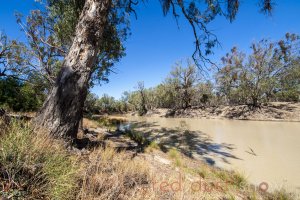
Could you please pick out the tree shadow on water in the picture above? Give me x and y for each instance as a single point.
(137, 136)
(194, 144)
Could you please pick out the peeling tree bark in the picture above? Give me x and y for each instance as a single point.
(63, 109)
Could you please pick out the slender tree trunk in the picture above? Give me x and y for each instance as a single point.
(63, 109)
(143, 109)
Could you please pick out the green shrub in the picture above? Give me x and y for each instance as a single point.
(18, 96)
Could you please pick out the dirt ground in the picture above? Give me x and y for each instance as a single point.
(274, 111)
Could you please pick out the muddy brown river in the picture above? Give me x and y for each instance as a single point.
(263, 151)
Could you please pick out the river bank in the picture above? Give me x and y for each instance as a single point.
(250, 148)
(274, 111)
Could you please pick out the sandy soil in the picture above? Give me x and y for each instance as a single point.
(275, 111)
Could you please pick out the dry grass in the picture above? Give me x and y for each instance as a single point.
(281, 194)
(87, 123)
(152, 147)
(234, 178)
(112, 175)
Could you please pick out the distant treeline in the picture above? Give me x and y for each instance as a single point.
(271, 72)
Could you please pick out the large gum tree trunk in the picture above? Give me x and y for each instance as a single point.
(62, 111)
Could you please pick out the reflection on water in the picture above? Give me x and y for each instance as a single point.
(263, 151)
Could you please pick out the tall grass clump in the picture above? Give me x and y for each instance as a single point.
(152, 146)
(176, 156)
(33, 166)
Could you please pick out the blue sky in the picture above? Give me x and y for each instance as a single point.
(156, 42)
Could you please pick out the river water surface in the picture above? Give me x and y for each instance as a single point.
(263, 151)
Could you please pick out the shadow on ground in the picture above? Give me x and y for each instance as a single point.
(194, 144)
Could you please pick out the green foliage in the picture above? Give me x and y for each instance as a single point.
(271, 71)
(90, 104)
(43, 52)
(13, 56)
(20, 96)
(154, 145)
(164, 95)
(105, 104)
(290, 83)
(63, 16)
(204, 94)
(175, 156)
(183, 81)
(137, 137)
(177, 91)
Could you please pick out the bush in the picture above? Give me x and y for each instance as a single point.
(18, 96)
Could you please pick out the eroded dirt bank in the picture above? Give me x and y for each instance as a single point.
(276, 111)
